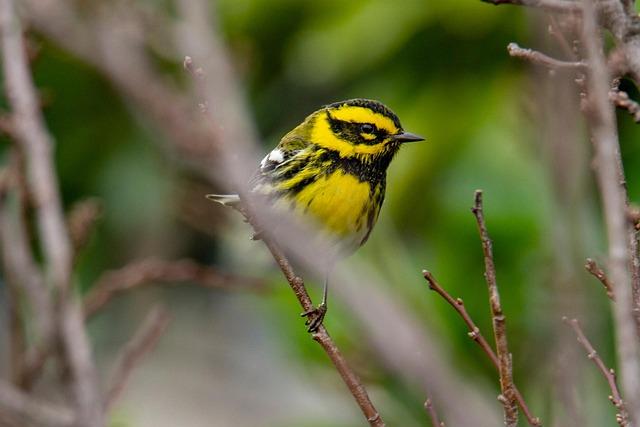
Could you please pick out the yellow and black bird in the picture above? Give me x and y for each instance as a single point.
(331, 169)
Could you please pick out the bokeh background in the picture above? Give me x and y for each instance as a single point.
(237, 357)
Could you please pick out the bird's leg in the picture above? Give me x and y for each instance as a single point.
(315, 316)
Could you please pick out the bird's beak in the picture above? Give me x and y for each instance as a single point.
(407, 137)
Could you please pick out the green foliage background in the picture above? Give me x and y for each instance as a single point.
(442, 66)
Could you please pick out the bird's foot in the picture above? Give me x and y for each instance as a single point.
(315, 316)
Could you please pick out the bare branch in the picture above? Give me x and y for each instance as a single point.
(540, 58)
(142, 343)
(36, 144)
(20, 404)
(148, 271)
(622, 417)
(498, 319)
(476, 335)
(621, 99)
(433, 415)
(17, 260)
(592, 267)
(322, 337)
(610, 178)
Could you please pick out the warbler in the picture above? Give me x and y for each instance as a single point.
(331, 169)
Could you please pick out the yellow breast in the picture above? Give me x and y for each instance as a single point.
(341, 204)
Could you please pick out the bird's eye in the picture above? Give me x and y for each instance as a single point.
(367, 128)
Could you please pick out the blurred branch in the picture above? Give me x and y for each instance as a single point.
(143, 342)
(499, 326)
(122, 58)
(81, 221)
(610, 178)
(433, 415)
(14, 401)
(592, 267)
(36, 145)
(542, 59)
(154, 271)
(476, 335)
(622, 417)
(18, 264)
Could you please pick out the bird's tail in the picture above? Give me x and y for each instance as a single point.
(225, 199)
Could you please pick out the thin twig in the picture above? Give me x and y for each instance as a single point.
(633, 213)
(142, 343)
(150, 271)
(21, 404)
(592, 267)
(508, 397)
(433, 415)
(476, 335)
(622, 100)
(622, 417)
(322, 337)
(542, 59)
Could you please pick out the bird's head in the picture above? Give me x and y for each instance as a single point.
(359, 128)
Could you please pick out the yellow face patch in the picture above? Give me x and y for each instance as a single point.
(349, 113)
(322, 135)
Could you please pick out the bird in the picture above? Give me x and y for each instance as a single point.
(331, 169)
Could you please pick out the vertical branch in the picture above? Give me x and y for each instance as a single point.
(508, 397)
(36, 145)
(610, 178)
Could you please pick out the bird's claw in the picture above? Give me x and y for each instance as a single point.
(315, 316)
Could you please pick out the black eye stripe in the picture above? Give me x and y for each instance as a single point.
(352, 131)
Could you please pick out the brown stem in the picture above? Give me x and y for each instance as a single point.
(622, 100)
(148, 271)
(622, 417)
(322, 337)
(476, 335)
(433, 415)
(142, 343)
(542, 59)
(592, 267)
(499, 321)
